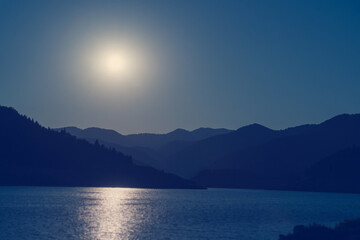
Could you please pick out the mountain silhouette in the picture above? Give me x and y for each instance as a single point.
(254, 156)
(33, 155)
(293, 153)
(282, 161)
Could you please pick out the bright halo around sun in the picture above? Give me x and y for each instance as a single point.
(114, 66)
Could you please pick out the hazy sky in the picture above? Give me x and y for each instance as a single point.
(203, 63)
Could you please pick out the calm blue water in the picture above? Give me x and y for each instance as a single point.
(118, 213)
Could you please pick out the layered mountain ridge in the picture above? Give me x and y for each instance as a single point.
(33, 155)
(255, 156)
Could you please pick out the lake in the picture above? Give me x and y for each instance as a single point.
(121, 213)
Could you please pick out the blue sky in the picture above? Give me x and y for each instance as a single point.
(218, 63)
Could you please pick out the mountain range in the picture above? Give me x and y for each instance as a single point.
(255, 156)
(147, 148)
(312, 157)
(294, 159)
(145, 140)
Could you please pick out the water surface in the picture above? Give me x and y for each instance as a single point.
(118, 213)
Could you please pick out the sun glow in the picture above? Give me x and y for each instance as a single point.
(114, 66)
(116, 63)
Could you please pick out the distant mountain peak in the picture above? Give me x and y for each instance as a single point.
(203, 129)
(96, 129)
(343, 120)
(179, 130)
(254, 126)
(71, 128)
(343, 117)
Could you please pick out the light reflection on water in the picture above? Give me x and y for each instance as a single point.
(112, 213)
(119, 213)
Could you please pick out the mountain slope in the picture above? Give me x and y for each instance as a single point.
(293, 153)
(202, 154)
(33, 155)
(146, 148)
(338, 172)
(282, 161)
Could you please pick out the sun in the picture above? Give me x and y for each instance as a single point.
(116, 63)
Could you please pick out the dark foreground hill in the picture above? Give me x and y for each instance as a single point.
(347, 230)
(33, 155)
